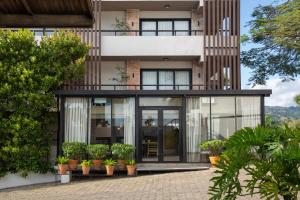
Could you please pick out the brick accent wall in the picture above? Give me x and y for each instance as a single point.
(133, 20)
(197, 70)
(197, 21)
(133, 68)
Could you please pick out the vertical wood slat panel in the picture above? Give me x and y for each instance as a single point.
(222, 44)
(234, 43)
(214, 43)
(230, 44)
(209, 40)
(238, 45)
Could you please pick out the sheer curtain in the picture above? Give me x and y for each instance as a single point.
(149, 78)
(166, 78)
(248, 112)
(77, 119)
(182, 78)
(129, 121)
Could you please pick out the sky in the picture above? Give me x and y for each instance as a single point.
(283, 93)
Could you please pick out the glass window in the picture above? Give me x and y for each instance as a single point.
(248, 112)
(222, 117)
(182, 80)
(148, 28)
(160, 101)
(165, 28)
(181, 28)
(118, 119)
(149, 78)
(166, 80)
(197, 126)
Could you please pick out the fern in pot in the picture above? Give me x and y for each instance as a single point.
(110, 166)
(96, 153)
(122, 152)
(74, 151)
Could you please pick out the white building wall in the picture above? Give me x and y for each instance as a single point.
(108, 19)
(109, 70)
(166, 64)
(165, 14)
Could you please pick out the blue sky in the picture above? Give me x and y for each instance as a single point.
(283, 93)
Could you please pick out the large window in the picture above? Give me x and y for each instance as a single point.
(165, 27)
(166, 79)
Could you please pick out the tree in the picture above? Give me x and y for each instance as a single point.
(275, 29)
(30, 72)
(297, 99)
(269, 156)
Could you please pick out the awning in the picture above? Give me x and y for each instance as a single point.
(46, 13)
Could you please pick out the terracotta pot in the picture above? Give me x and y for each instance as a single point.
(109, 170)
(214, 160)
(97, 164)
(63, 168)
(85, 170)
(73, 164)
(131, 170)
(121, 164)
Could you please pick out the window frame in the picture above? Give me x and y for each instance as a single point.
(170, 70)
(173, 20)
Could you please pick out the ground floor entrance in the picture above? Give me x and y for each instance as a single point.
(160, 134)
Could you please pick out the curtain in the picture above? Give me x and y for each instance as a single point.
(193, 125)
(166, 27)
(248, 110)
(149, 78)
(77, 119)
(129, 121)
(182, 78)
(166, 78)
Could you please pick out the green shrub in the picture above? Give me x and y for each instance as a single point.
(122, 151)
(74, 150)
(62, 160)
(271, 158)
(86, 163)
(109, 162)
(215, 147)
(97, 151)
(130, 162)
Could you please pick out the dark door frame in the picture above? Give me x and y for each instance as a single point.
(160, 110)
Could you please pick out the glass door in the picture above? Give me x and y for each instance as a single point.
(160, 133)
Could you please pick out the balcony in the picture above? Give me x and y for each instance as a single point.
(181, 44)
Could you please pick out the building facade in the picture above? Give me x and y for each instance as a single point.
(161, 75)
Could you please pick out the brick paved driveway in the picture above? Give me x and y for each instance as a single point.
(171, 186)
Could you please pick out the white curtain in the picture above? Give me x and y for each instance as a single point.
(166, 78)
(129, 121)
(77, 119)
(193, 125)
(149, 78)
(249, 110)
(182, 78)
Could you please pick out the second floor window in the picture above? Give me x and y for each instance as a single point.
(166, 79)
(165, 27)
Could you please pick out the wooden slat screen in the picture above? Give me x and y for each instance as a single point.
(222, 44)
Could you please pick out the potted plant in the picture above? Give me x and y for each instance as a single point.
(122, 152)
(110, 166)
(62, 164)
(215, 148)
(131, 167)
(86, 166)
(97, 152)
(74, 151)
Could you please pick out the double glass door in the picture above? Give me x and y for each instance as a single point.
(160, 135)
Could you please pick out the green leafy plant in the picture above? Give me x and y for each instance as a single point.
(74, 150)
(215, 147)
(30, 73)
(121, 25)
(130, 162)
(270, 157)
(62, 160)
(122, 151)
(97, 151)
(109, 162)
(86, 163)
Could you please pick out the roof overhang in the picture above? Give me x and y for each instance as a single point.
(46, 13)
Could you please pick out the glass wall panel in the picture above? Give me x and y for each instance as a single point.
(118, 119)
(160, 101)
(222, 117)
(248, 112)
(197, 126)
(166, 78)
(149, 78)
(148, 28)
(165, 28)
(180, 27)
(182, 78)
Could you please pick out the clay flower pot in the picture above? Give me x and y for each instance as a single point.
(73, 164)
(85, 170)
(214, 160)
(97, 164)
(131, 170)
(121, 164)
(63, 168)
(109, 170)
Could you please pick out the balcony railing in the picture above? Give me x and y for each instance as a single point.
(122, 87)
(151, 32)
